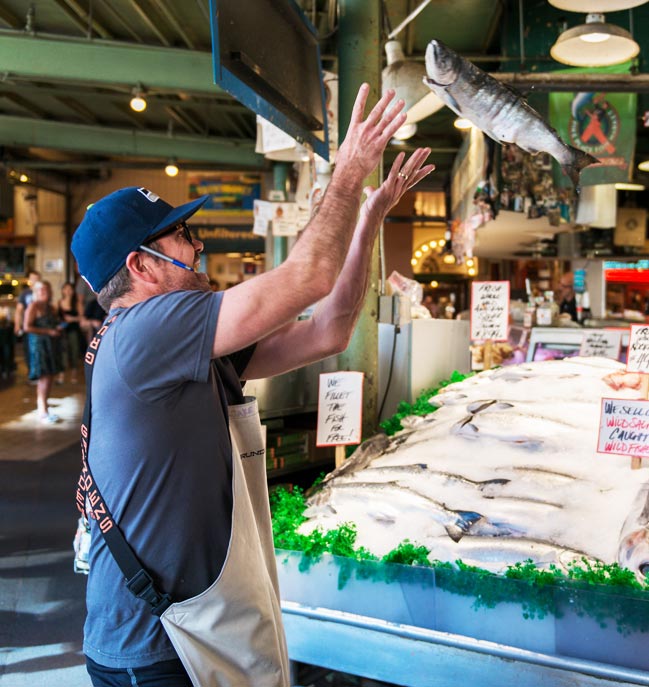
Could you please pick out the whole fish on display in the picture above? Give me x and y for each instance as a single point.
(497, 110)
(504, 469)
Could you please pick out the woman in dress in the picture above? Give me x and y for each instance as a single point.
(43, 328)
(71, 317)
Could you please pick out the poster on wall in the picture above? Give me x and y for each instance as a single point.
(602, 124)
(231, 195)
(225, 238)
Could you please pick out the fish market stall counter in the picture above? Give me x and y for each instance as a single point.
(534, 545)
(412, 626)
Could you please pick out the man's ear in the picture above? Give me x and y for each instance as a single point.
(139, 266)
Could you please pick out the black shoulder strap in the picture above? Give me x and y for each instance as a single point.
(90, 501)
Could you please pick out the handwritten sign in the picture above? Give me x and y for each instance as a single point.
(638, 356)
(601, 343)
(340, 408)
(624, 427)
(489, 310)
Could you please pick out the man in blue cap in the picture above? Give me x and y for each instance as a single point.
(165, 381)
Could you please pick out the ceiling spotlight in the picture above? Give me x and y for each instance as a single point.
(406, 78)
(24, 178)
(594, 44)
(138, 103)
(171, 170)
(462, 123)
(644, 166)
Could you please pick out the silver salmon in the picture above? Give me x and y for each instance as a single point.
(497, 110)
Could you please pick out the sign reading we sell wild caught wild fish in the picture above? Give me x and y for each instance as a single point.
(624, 427)
(489, 310)
(340, 409)
(638, 355)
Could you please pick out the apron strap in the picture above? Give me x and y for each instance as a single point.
(90, 502)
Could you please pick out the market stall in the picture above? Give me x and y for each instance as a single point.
(490, 538)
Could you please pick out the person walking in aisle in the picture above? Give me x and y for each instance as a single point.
(43, 328)
(24, 299)
(167, 396)
(71, 319)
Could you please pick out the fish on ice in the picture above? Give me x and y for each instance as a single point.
(508, 470)
(496, 109)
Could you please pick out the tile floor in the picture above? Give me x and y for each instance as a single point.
(41, 600)
(22, 435)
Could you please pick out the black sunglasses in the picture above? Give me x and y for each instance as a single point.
(187, 235)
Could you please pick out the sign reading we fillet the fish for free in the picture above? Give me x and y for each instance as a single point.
(638, 355)
(624, 427)
(489, 310)
(340, 408)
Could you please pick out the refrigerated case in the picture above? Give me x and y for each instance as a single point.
(418, 355)
(554, 343)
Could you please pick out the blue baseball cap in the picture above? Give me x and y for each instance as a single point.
(118, 224)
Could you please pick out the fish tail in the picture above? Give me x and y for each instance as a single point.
(454, 532)
(578, 160)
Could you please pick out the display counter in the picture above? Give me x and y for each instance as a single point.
(405, 624)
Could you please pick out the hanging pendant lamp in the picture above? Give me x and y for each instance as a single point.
(594, 44)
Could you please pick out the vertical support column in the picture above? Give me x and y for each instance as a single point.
(359, 55)
(280, 183)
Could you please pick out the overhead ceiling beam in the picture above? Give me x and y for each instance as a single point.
(144, 16)
(165, 11)
(10, 18)
(28, 89)
(81, 138)
(26, 104)
(99, 62)
(82, 18)
(555, 82)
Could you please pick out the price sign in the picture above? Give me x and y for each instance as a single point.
(638, 355)
(340, 408)
(624, 427)
(601, 343)
(489, 310)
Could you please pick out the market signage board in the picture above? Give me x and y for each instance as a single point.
(340, 409)
(624, 427)
(638, 355)
(489, 310)
(601, 343)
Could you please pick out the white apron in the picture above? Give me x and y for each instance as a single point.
(231, 635)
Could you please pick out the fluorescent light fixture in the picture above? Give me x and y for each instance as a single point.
(138, 103)
(406, 78)
(594, 44)
(171, 169)
(644, 166)
(462, 123)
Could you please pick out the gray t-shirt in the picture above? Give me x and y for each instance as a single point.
(160, 455)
